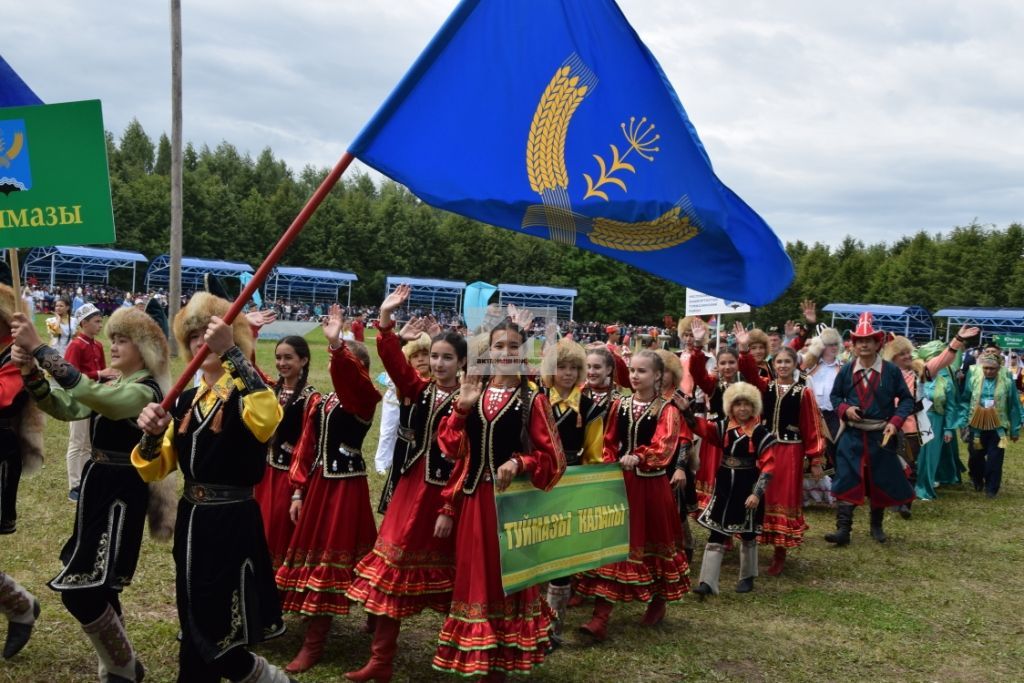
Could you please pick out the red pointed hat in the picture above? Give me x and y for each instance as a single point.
(866, 328)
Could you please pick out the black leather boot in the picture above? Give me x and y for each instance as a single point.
(877, 533)
(844, 525)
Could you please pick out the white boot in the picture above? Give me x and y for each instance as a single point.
(748, 566)
(558, 601)
(710, 568)
(265, 672)
(115, 651)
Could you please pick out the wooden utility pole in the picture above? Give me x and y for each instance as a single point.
(174, 289)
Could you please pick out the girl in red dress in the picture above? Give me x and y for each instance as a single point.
(791, 414)
(411, 568)
(274, 492)
(501, 427)
(331, 504)
(642, 435)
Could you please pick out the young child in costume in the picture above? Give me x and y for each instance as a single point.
(101, 556)
(580, 423)
(217, 434)
(736, 505)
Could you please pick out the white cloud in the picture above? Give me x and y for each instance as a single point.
(874, 118)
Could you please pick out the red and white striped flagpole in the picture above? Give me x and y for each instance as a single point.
(263, 271)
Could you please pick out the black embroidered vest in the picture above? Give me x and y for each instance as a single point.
(232, 456)
(120, 436)
(339, 440)
(494, 442)
(634, 432)
(572, 426)
(782, 413)
(417, 435)
(286, 437)
(739, 450)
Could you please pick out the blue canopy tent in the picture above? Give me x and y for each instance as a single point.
(990, 320)
(158, 274)
(538, 297)
(913, 322)
(429, 292)
(81, 264)
(310, 284)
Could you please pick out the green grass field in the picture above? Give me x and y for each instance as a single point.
(942, 601)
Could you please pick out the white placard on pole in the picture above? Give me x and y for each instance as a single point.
(699, 303)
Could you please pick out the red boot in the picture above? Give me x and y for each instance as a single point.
(597, 627)
(655, 612)
(312, 646)
(371, 623)
(778, 560)
(382, 652)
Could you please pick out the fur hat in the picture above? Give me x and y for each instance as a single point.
(195, 316)
(815, 347)
(757, 336)
(673, 367)
(830, 335)
(146, 334)
(418, 345)
(896, 346)
(685, 326)
(7, 304)
(564, 351)
(741, 391)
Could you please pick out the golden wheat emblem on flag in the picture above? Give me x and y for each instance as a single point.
(548, 176)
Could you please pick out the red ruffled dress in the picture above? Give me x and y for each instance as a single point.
(714, 388)
(656, 566)
(336, 527)
(409, 569)
(487, 631)
(274, 492)
(791, 414)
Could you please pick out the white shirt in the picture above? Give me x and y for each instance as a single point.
(821, 381)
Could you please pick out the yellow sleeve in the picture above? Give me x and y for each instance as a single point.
(261, 413)
(593, 442)
(163, 464)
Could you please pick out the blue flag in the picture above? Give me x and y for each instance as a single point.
(552, 118)
(14, 92)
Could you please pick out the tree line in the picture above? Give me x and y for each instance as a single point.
(235, 207)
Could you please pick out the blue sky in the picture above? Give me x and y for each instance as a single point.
(875, 119)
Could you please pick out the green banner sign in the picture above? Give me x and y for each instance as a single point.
(54, 183)
(1010, 341)
(581, 524)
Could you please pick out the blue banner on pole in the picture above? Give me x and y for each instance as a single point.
(552, 118)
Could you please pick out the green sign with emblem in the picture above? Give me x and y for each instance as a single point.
(54, 182)
(580, 524)
(1009, 341)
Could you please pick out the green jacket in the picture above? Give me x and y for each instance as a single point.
(1007, 403)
